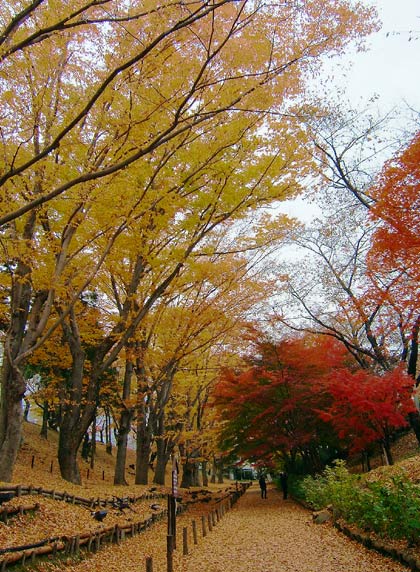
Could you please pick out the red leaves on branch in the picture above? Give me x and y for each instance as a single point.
(366, 407)
(397, 195)
(295, 391)
(270, 407)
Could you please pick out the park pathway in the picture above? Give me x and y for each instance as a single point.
(256, 535)
(276, 535)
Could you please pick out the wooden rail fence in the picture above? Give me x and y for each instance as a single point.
(92, 541)
(21, 490)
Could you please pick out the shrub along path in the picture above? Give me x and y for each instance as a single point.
(276, 535)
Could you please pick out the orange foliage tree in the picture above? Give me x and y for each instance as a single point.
(395, 250)
(397, 205)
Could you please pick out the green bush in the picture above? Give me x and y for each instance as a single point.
(396, 510)
(390, 507)
(333, 487)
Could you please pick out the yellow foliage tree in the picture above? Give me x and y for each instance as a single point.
(141, 127)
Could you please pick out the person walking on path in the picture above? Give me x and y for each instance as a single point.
(283, 482)
(263, 487)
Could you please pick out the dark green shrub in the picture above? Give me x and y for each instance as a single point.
(389, 507)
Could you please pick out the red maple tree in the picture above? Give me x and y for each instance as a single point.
(269, 409)
(366, 408)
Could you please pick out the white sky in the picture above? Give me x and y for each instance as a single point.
(391, 67)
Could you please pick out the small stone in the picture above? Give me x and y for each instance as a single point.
(321, 517)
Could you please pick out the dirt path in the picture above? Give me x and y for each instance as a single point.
(273, 535)
(257, 535)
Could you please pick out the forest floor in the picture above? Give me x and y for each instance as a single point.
(258, 535)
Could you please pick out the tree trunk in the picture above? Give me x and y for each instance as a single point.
(196, 475)
(213, 470)
(78, 407)
(220, 473)
(45, 416)
(122, 444)
(13, 385)
(145, 422)
(143, 449)
(27, 408)
(68, 445)
(93, 448)
(204, 474)
(162, 458)
(108, 438)
(11, 418)
(414, 417)
(164, 449)
(386, 447)
(11, 421)
(124, 426)
(187, 474)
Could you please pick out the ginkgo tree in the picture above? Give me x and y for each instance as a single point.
(207, 302)
(161, 131)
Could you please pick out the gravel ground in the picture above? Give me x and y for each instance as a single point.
(273, 535)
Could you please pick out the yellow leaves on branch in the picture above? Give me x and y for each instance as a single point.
(141, 129)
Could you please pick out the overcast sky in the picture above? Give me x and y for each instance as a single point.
(391, 67)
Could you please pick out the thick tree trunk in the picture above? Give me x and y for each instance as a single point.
(162, 458)
(68, 445)
(19, 338)
(11, 423)
(164, 449)
(196, 475)
(11, 419)
(72, 430)
(143, 449)
(213, 470)
(220, 473)
(124, 427)
(188, 469)
(78, 407)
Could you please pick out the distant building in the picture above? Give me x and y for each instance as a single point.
(242, 472)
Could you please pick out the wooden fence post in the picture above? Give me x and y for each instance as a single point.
(169, 553)
(185, 541)
(149, 564)
(194, 530)
(203, 525)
